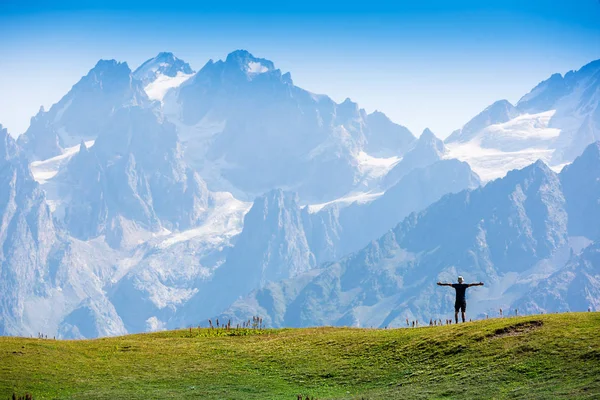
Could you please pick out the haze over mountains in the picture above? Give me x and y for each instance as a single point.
(160, 197)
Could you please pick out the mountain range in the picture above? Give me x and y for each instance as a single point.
(161, 197)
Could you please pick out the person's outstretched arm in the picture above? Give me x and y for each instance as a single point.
(476, 284)
(444, 284)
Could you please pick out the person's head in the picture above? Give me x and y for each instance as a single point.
(461, 279)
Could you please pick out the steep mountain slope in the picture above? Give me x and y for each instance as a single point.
(152, 281)
(162, 73)
(385, 138)
(576, 287)
(133, 191)
(336, 231)
(44, 275)
(271, 247)
(554, 122)
(135, 170)
(248, 129)
(497, 113)
(81, 114)
(576, 99)
(581, 186)
(498, 234)
(164, 64)
(27, 236)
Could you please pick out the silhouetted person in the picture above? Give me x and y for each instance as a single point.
(461, 301)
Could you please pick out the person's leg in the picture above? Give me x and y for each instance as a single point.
(462, 314)
(463, 309)
(456, 310)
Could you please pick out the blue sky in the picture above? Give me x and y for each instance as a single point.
(424, 63)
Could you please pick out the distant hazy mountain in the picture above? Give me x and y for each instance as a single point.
(554, 122)
(425, 151)
(385, 138)
(135, 170)
(82, 113)
(336, 231)
(499, 112)
(248, 128)
(576, 287)
(272, 246)
(44, 274)
(27, 236)
(161, 74)
(581, 186)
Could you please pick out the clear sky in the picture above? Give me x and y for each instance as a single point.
(425, 63)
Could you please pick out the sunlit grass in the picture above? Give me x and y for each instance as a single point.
(546, 356)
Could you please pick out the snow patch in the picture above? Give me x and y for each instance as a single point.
(256, 68)
(492, 164)
(373, 167)
(45, 170)
(523, 127)
(225, 221)
(157, 89)
(515, 144)
(359, 197)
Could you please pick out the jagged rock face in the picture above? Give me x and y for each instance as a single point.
(500, 111)
(134, 170)
(576, 287)
(427, 150)
(273, 235)
(87, 212)
(271, 247)
(245, 119)
(581, 186)
(325, 233)
(41, 140)
(43, 274)
(163, 64)
(82, 113)
(548, 93)
(517, 220)
(27, 236)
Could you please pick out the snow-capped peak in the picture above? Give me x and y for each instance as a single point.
(161, 73)
(248, 63)
(164, 64)
(498, 112)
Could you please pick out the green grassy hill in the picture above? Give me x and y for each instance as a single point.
(538, 357)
